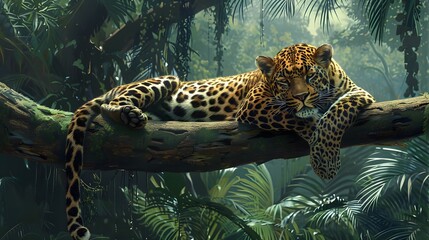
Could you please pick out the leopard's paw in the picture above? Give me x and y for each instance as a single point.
(325, 158)
(133, 117)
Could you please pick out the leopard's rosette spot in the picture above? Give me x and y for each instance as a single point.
(325, 159)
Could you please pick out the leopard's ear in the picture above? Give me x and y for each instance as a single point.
(323, 55)
(266, 65)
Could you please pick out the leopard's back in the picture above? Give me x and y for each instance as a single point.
(206, 100)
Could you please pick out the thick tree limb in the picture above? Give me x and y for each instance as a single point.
(31, 131)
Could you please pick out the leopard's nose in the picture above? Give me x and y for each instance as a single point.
(301, 96)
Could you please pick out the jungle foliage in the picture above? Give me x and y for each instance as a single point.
(385, 196)
(63, 52)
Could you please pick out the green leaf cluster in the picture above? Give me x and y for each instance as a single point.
(379, 193)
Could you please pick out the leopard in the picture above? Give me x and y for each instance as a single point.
(301, 89)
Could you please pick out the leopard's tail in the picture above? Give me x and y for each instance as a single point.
(74, 160)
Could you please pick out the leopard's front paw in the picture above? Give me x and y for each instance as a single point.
(325, 158)
(133, 117)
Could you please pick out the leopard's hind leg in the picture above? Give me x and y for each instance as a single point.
(128, 105)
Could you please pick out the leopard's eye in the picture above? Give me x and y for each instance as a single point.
(311, 74)
(283, 85)
(310, 77)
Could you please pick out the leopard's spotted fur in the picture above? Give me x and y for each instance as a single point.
(301, 89)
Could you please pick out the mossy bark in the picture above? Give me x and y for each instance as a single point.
(31, 131)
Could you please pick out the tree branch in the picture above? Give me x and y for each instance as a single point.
(34, 132)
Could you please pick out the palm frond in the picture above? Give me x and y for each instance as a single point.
(13, 232)
(185, 217)
(403, 230)
(36, 22)
(405, 172)
(377, 12)
(322, 10)
(238, 7)
(395, 190)
(255, 191)
(312, 190)
(219, 183)
(328, 208)
(265, 229)
(292, 228)
(275, 8)
(379, 176)
(305, 190)
(284, 171)
(336, 213)
(35, 14)
(344, 184)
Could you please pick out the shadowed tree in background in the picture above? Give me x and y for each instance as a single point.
(62, 53)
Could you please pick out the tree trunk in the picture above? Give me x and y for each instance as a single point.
(34, 132)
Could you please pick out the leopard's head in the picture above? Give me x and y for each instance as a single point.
(299, 79)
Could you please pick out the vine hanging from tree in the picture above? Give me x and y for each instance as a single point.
(407, 31)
